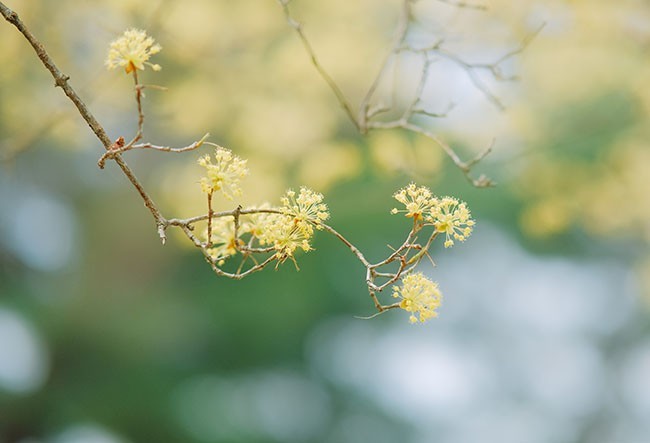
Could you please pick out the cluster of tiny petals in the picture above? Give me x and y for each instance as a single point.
(223, 242)
(417, 200)
(260, 222)
(224, 174)
(305, 208)
(287, 237)
(132, 51)
(418, 295)
(451, 217)
(279, 231)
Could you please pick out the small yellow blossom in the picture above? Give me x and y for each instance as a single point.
(453, 218)
(292, 229)
(416, 199)
(419, 295)
(284, 234)
(306, 208)
(224, 174)
(259, 222)
(132, 50)
(223, 240)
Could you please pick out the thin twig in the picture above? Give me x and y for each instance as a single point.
(471, 69)
(138, 99)
(366, 111)
(321, 70)
(494, 68)
(380, 310)
(192, 220)
(352, 248)
(61, 80)
(398, 40)
(209, 242)
(197, 144)
(465, 167)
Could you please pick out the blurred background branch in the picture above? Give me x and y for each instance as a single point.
(368, 109)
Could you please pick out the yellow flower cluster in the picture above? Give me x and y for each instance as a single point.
(417, 200)
(285, 236)
(293, 229)
(453, 218)
(224, 174)
(418, 295)
(285, 231)
(306, 209)
(223, 240)
(447, 214)
(132, 51)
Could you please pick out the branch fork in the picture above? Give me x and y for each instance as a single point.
(364, 120)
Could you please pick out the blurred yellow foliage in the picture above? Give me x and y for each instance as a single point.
(582, 124)
(328, 164)
(393, 152)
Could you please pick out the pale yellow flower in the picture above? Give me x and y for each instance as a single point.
(132, 51)
(306, 208)
(291, 230)
(416, 199)
(453, 218)
(284, 234)
(419, 296)
(259, 222)
(223, 240)
(224, 174)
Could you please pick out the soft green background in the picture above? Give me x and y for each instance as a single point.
(107, 336)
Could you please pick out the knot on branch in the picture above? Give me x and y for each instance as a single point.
(60, 81)
(113, 150)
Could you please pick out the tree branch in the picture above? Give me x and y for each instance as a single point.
(323, 73)
(61, 80)
(366, 112)
(405, 258)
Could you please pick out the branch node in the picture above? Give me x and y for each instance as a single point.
(162, 227)
(112, 151)
(60, 81)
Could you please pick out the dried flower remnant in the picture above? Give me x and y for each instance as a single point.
(132, 51)
(416, 199)
(453, 218)
(418, 295)
(224, 174)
